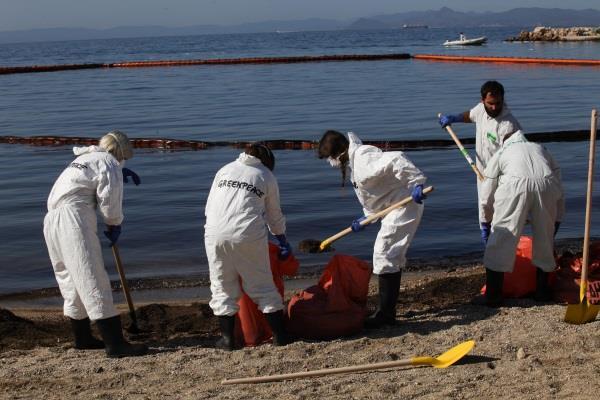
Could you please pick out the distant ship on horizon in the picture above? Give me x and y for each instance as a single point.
(410, 26)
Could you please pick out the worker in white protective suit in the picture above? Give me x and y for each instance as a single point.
(380, 179)
(522, 181)
(493, 123)
(244, 201)
(92, 182)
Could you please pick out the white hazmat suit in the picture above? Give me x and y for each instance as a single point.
(522, 180)
(92, 181)
(489, 136)
(381, 179)
(243, 200)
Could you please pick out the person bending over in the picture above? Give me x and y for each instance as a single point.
(380, 179)
(92, 182)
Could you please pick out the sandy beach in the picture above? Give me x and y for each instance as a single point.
(523, 350)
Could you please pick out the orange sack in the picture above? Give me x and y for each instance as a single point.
(336, 306)
(251, 328)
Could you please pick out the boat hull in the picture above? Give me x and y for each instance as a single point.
(468, 42)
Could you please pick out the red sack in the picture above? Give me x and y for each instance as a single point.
(336, 306)
(566, 289)
(251, 328)
(521, 282)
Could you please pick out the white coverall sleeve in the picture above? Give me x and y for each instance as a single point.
(489, 186)
(406, 172)
(273, 214)
(560, 208)
(109, 193)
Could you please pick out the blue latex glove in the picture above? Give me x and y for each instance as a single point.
(112, 233)
(356, 226)
(285, 248)
(486, 228)
(556, 226)
(417, 194)
(127, 172)
(446, 120)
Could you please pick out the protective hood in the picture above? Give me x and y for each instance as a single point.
(516, 137)
(87, 149)
(355, 143)
(247, 159)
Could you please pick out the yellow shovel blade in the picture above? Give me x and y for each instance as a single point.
(581, 313)
(446, 359)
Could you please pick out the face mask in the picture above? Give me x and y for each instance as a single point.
(334, 162)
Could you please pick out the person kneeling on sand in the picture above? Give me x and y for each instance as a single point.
(522, 180)
(94, 180)
(244, 197)
(380, 179)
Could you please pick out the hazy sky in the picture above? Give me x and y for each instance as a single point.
(28, 14)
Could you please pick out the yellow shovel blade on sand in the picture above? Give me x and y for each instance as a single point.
(443, 361)
(584, 311)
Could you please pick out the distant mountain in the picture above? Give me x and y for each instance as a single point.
(58, 34)
(448, 18)
(444, 18)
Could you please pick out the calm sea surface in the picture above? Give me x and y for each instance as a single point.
(163, 228)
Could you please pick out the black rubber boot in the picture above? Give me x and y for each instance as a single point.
(227, 326)
(275, 320)
(83, 335)
(494, 281)
(389, 290)
(115, 344)
(542, 289)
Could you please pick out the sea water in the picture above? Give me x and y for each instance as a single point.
(378, 100)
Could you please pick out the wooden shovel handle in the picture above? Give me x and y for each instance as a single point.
(124, 284)
(372, 218)
(464, 152)
(588, 207)
(320, 372)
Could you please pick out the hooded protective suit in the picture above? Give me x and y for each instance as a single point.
(92, 181)
(522, 180)
(489, 136)
(381, 179)
(243, 199)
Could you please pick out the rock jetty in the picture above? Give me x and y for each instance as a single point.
(549, 34)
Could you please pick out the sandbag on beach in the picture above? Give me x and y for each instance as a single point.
(336, 306)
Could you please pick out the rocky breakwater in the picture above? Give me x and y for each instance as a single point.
(548, 34)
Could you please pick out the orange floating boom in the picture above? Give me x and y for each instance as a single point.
(514, 60)
(214, 61)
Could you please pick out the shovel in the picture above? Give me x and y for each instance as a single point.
(134, 326)
(316, 246)
(463, 151)
(584, 311)
(442, 361)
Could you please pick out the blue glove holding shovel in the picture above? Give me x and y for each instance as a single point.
(112, 232)
(356, 226)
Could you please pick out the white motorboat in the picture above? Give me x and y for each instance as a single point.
(463, 41)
